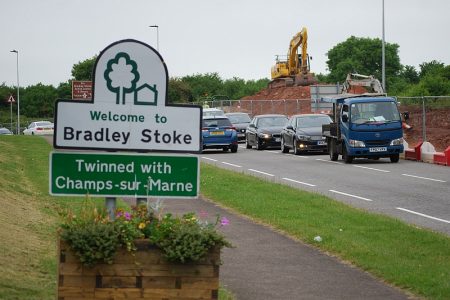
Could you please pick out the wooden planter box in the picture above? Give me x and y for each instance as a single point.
(147, 275)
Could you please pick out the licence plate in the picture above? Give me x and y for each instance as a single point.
(377, 149)
(217, 132)
(277, 139)
(320, 143)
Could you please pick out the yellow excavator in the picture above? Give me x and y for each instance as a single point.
(294, 71)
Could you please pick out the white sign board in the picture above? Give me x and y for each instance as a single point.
(129, 109)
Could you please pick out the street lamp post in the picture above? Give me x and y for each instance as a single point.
(18, 96)
(383, 60)
(157, 35)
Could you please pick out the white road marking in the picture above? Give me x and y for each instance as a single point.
(329, 161)
(261, 172)
(207, 158)
(350, 195)
(426, 178)
(423, 215)
(308, 184)
(229, 164)
(378, 170)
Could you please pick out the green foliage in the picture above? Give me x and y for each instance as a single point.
(83, 70)
(38, 101)
(179, 91)
(64, 90)
(95, 238)
(185, 239)
(361, 55)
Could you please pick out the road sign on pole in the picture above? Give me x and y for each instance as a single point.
(119, 175)
(81, 89)
(128, 111)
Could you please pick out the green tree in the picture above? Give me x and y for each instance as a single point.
(433, 67)
(38, 101)
(361, 55)
(64, 90)
(204, 85)
(179, 91)
(83, 70)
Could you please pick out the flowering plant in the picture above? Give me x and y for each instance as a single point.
(95, 238)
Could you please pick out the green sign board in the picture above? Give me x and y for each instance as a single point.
(118, 175)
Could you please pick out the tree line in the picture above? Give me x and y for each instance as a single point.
(359, 55)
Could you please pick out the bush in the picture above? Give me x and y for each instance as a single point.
(95, 238)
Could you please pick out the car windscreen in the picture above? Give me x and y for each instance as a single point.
(312, 121)
(216, 123)
(244, 118)
(43, 123)
(272, 122)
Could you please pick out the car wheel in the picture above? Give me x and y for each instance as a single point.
(395, 158)
(348, 159)
(234, 148)
(284, 149)
(332, 150)
(247, 145)
(296, 150)
(258, 144)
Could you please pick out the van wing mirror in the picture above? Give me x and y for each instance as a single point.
(406, 115)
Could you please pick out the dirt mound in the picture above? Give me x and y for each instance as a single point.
(437, 119)
(437, 124)
(287, 93)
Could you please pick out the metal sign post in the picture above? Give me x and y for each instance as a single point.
(11, 101)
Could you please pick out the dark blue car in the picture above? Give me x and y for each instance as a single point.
(219, 133)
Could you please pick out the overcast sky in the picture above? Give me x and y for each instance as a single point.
(235, 38)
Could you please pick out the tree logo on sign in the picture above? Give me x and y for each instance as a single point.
(121, 77)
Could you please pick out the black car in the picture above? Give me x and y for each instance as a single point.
(303, 133)
(265, 131)
(240, 121)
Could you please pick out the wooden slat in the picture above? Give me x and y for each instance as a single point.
(159, 282)
(75, 292)
(211, 283)
(176, 293)
(77, 281)
(114, 293)
(118, 282)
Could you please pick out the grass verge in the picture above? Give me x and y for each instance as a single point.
(29, 219)
(414, 259)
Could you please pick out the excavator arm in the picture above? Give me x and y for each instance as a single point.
(295, 65)
(295, 69)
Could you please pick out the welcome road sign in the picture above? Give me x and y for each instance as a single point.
(117, 175)
(129, 109)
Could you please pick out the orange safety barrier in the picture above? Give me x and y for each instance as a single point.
(414, 153)
(442, 158)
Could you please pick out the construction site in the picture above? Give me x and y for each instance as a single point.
(294, 89)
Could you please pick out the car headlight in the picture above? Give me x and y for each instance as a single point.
(303, 137)
(265, 135)
(356, 144)
(397, 142)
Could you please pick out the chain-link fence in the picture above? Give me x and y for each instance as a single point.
(428, 114)
(258, 107)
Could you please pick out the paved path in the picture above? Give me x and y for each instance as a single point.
(267, 265)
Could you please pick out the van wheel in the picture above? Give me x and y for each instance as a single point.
(332, 150)
(395, 158)
(234, 148)
(348, 159)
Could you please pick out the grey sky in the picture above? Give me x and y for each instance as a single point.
(231, 37)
